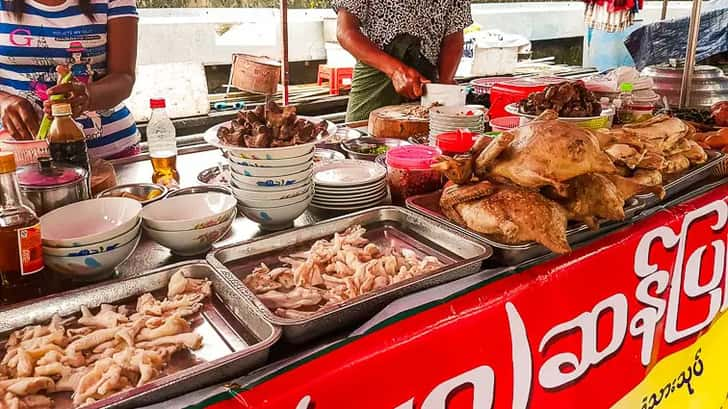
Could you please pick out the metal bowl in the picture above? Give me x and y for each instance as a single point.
(356, 148)
(211, 176)
(200, 189)
(144, 193)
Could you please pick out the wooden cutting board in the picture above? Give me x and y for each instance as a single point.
(396, 121)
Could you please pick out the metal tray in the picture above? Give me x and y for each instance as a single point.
(687, 180)
(236, 338)
(463, 255)
(510, 254)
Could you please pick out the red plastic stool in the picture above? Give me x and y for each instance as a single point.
(335, 76)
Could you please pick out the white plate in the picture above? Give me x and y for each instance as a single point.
(454, 112)
(345, 200)
(351, 196)
(347, 173)
(348, 208)
(355, 191)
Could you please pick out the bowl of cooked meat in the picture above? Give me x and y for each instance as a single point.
(268, 132)
(571, 100)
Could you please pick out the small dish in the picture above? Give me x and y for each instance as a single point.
(144, 193)
(370, 148)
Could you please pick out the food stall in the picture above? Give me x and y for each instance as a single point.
(566, 259)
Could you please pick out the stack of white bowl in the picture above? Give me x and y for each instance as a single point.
(87, 240)
(349, 185)
(190, 224)
(273, 186)
(446, 119)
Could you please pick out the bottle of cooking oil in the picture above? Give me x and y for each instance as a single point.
(21, 252)
(162, 142)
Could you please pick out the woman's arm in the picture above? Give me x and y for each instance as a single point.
(406, 80)
(451, 51)
(117, 84)
(19, 118)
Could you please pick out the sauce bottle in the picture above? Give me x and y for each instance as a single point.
(162, 142)
(21, 249)
(66, 140)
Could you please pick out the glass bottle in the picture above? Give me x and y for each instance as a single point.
(21, 252)
(162, 142)
(623, 102)
(66, 140)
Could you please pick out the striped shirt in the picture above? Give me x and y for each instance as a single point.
(48, 36)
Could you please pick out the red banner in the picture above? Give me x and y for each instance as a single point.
(622, 322)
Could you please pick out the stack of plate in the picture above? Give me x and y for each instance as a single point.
(446, 119)
(349, 185)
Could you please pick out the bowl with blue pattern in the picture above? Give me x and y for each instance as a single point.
(91, 267)
(277, 217)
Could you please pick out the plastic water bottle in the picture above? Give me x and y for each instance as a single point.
(162, 141)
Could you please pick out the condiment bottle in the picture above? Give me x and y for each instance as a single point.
(66, 140)
(622, 103)
(162, 142)
(21, 252)
(409, 172)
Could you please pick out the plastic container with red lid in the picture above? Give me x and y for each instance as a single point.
(505, 93)
(409, 171)
(455, 142)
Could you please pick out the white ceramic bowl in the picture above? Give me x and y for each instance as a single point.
(246, 201)
(277, 218)
(91, 267)
(268, 172)
(296, 189)
(88, 222)
(189, 212)
(275, 163)
(95, 248)
(278, 181)
(190, 242)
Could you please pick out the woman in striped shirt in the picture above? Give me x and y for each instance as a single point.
(98, 40)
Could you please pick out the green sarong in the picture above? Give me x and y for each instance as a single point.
(372, 89)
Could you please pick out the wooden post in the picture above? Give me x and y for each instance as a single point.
(687, 77)
(284, 49)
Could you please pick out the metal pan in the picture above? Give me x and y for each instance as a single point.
(687, 180)
(236, 338)
(463, 256)
(510, 254)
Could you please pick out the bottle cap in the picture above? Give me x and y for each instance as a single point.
(626, 87)
(155, 103)
(61, 109)
(7, 162)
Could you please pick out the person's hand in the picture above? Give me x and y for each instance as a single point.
(18, 117)
(75, 93)
(408, 82)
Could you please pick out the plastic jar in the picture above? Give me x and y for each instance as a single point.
(455, 142)
(409, 172)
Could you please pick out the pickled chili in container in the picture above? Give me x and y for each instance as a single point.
(409, 172)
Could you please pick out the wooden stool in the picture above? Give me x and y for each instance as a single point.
(335, 76)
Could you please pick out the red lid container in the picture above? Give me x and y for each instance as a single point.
(513, 91)
(455, 142)
(412, 157)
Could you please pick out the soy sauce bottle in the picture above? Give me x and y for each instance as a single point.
(66, 140)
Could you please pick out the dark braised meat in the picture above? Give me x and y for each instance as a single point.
(569, 99)
(270, 126)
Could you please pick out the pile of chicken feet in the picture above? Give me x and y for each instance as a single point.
(96, 356)
(528, 183)
(333, 271)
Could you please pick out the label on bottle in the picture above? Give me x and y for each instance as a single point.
(30, 246)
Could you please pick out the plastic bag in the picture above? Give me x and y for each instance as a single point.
(658, 42)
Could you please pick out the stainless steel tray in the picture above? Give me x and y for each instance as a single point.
(236, 338)
(463, 256)
(686, 180)
(508, 254)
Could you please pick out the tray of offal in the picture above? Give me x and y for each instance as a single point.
(320, 278)
(131, 342)
(514, 254)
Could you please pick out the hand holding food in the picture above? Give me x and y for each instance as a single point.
(18, 116)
